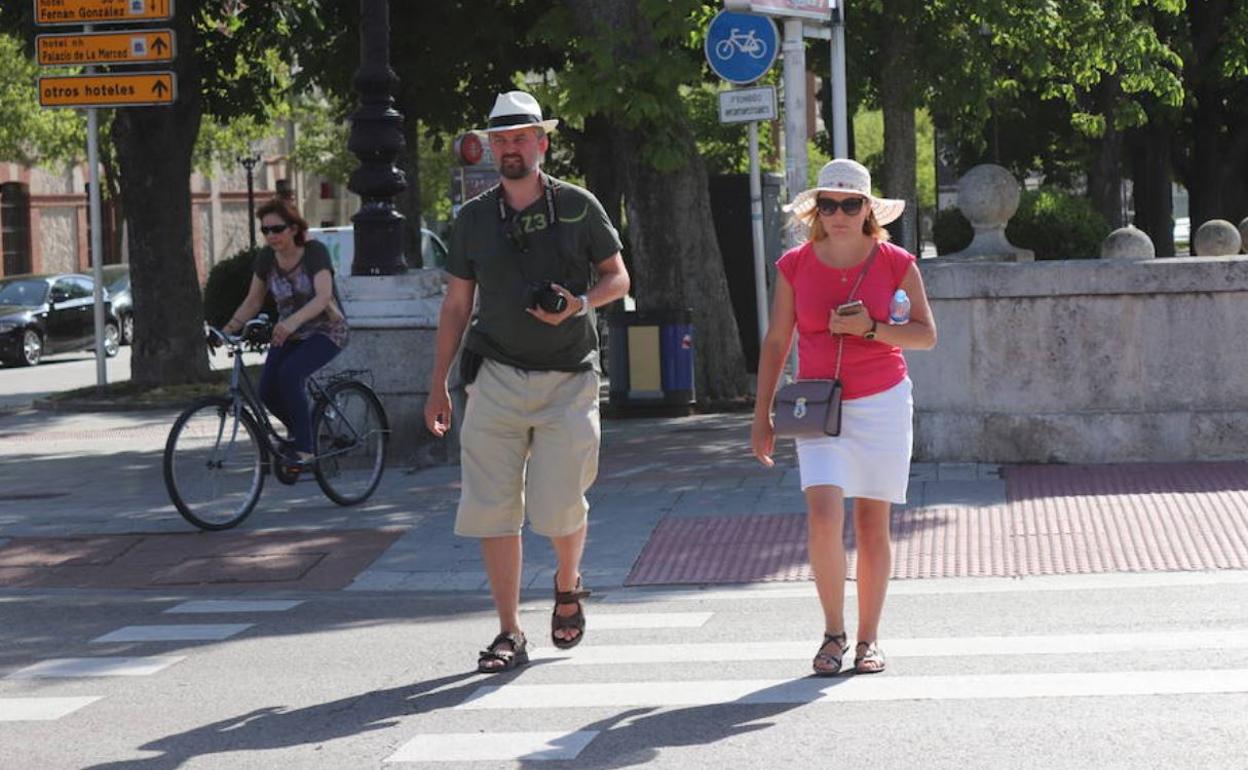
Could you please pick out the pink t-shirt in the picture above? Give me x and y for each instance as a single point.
(867, 366)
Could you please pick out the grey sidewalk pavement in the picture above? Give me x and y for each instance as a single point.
(677, 500)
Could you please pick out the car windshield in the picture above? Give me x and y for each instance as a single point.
(118, 283)
(23, 292)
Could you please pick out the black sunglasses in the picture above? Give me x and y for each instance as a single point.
(851, 206)
(273, 229)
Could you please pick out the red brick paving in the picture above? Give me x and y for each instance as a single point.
(298, 560)
(1055, 520)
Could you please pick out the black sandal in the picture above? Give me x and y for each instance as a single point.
(576, 620)
(518, 655)
(832, 663)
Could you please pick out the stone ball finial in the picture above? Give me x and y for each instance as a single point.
(988, 195)
(1243, 234)
(1128, 243)
(1216, 238)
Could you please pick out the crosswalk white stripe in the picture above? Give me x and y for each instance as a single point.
(76, 667)
(1070, 644)
(971, 585)
(858, 688)
(228, 605)
(174, 633)
(477, 747)
(41, 709)
(637, 620)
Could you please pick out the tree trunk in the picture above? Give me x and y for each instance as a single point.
(1151, 177)
(596, 156)
(1105, 172)
(675, 255)
(897, 76)
(154, 157)
(1207, 20)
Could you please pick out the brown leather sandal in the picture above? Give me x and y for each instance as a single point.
(868, 658)
(576, 620)
(508, 649)
(831, 663)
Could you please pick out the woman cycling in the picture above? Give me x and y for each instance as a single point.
(311, 328)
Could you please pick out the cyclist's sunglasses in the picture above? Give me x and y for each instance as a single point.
(273, 229)
(851, 206)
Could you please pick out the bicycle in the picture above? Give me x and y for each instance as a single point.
(220, 448)
(747, 43)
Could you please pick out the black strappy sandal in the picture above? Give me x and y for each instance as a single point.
(832, 663)
(518, 655)
(576, 620)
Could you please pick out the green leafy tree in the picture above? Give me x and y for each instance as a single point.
(226, 69)
(632, 68)
(29, 134)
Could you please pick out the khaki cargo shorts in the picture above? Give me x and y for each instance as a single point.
(529, 444)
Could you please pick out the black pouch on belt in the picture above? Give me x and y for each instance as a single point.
(469, 364)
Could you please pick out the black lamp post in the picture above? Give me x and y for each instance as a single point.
(376, 139)
(249, 162)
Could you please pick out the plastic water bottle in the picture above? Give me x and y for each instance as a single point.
(899, 308)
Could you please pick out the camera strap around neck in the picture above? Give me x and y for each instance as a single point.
(840, 342)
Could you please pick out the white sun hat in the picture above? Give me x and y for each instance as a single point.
(846, 176)
(516, 109)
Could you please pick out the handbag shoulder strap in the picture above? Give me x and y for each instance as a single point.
(840, 343)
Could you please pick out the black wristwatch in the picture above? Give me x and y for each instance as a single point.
(870, 333)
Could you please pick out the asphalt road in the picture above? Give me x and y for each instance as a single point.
(20, 386)
(1130, 671)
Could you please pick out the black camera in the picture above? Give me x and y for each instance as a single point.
(543, 294)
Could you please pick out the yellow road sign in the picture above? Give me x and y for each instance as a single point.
(134, 47)
(101, 11)
(141, 89)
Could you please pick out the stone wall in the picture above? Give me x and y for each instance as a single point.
(393, 321)
(1085, 361)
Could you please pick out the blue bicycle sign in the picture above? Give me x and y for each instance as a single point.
(741, 47)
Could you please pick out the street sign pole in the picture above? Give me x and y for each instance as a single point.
(794, 108)
(840, 121)
(97, 237)
(760, 243)
(740, 49)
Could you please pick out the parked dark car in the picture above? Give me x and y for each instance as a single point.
(117, 284)
(45, 314)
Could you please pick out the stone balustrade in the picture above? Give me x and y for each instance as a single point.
(1085, 361)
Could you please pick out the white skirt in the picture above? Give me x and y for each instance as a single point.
(871, 457)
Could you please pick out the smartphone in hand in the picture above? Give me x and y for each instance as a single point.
(849, 308)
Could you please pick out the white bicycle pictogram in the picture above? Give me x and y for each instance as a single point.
(739, 41)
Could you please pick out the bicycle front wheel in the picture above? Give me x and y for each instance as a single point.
(214, 464)
(351, 432)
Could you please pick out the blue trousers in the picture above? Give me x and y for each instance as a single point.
(283, 383)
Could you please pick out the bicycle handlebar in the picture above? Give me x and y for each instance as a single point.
(237, 341)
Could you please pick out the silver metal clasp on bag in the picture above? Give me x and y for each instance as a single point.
(799, 408)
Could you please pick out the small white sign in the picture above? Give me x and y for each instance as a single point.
(742, 105)
(815, 10)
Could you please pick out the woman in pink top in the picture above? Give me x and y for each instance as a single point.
(847, 258)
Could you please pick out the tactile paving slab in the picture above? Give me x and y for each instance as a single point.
(1055, 520)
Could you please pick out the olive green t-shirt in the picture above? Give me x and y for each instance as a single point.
(506, 254)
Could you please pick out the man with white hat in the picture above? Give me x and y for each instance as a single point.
(530, 435)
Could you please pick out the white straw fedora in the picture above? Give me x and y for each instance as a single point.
(516, 109)
(846, 176)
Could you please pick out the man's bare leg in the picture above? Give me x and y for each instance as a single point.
(503, 557)
(568, 550)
